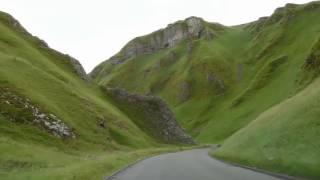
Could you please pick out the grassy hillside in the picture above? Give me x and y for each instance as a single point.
(48, 80)
(45, 96)
(283, 138)
(252, 87)
(217, 86)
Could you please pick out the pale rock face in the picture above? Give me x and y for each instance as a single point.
(195, 25)
(173, 34)
(190, 28)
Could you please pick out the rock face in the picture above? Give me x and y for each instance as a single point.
(152, 115)
(190, 28)
(185, 91)
(78, 68)
(19, 109)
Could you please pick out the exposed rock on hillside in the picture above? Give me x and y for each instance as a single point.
(19, 109)
(78, 68)
(188, 29)
(185, 91)
(192, 27)
(152, 115)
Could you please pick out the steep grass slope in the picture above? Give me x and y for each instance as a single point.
(54, 122)
(218, 83)
(283, 138)
(48, 79)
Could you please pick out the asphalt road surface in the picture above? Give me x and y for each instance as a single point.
(187, 165)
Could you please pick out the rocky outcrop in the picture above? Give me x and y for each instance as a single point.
(190, 28)
(185, 91)
(152, 115)
(18, 109)
(77, 67)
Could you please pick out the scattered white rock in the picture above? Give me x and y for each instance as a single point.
(50, 122)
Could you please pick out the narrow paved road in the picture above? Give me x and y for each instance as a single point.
(187, 165)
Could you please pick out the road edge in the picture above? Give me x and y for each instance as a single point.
(112, 176)
(278, 175)
(255, 169)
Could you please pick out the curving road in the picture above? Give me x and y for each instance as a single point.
(187, 165)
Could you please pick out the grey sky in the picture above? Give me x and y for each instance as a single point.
(94, 30)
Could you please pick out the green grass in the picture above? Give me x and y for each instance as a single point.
(252, 61)
(23, 158)
(27, 151)
(261, 65)
(282, 139)
(252, 88)
(80, 104)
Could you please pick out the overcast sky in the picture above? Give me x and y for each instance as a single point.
(94, 30)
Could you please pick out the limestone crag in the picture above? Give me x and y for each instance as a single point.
(190, 28)
(152, 115)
